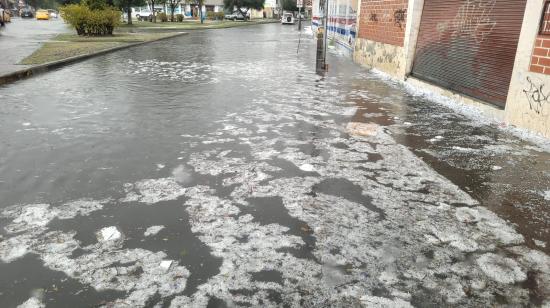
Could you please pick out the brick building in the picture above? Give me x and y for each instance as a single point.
(494, 54)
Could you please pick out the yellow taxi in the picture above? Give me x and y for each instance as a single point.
(5, 16)
(42, 15)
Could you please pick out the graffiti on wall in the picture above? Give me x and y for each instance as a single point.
(399, 17)
(473, 19)
(535, 95)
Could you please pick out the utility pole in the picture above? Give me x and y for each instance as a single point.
(321, 66)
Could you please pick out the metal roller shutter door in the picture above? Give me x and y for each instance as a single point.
(469, 46)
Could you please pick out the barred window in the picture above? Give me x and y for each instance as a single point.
(545, 22)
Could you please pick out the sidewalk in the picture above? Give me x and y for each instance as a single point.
(22, 37)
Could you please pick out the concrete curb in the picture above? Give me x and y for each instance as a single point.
(42, 68)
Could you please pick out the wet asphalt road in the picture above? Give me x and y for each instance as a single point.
(217, 169)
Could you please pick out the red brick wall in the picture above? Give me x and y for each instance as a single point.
(540, 59)
(383, 21)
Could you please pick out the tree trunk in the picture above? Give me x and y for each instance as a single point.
(172, 13)
(129, 14)
(200, 14)
(154, 19)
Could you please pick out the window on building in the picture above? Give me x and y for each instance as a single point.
(545, 22)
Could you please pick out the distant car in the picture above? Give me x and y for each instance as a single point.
(237, 15)
(27, 13)
(53, 14)
(42, 15)
(144, 15)
(287, 19)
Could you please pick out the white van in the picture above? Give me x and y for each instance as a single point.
(141, 13)
(287, 19)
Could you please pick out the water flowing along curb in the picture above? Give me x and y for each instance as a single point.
(43, 68)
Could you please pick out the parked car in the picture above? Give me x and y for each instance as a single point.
(237, 15)
(53, 14)
(2, 23)
(27, 13)
(42, 15)
(5, 16)
(143, 15)
(287, 19)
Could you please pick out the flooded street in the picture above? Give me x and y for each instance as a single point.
(217, 169)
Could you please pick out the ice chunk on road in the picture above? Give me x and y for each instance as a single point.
(496, 168)
(541, 244)
(13, 248)
(32, 302)
(28, 217)
(435, 139)
(182, 175)
(165, 264)
(500, 269)
(108, 234)
(151, 191)
(362, 129)
(81, 207)
(35, 217)
(153, 230)
(307, 168)
(382, 302)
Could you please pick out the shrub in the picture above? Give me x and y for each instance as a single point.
(210, 15)
(91, 22)
(179, 17)
(103, 21)
(77, 16)
(220, 15)
(95, 4)
(162, 17)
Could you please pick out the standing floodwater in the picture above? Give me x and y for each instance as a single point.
(217, 169)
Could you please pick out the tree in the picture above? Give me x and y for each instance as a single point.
(67, 2)
(43, 4)
(152, 4)
(243, 5)
(127, 5)
(199, 4)
(172, 4)
(289, 5)
(95, 4)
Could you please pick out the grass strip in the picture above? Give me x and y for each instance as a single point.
(193, 24)
(65, 46)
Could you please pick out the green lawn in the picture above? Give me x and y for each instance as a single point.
(70, 45)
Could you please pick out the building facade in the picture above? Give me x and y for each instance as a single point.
(342, 22)
(494, 54)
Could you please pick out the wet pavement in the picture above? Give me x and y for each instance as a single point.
(22, 36)
(218, 170)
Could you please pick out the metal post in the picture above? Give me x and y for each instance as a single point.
(325, 35)
(299, 18)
